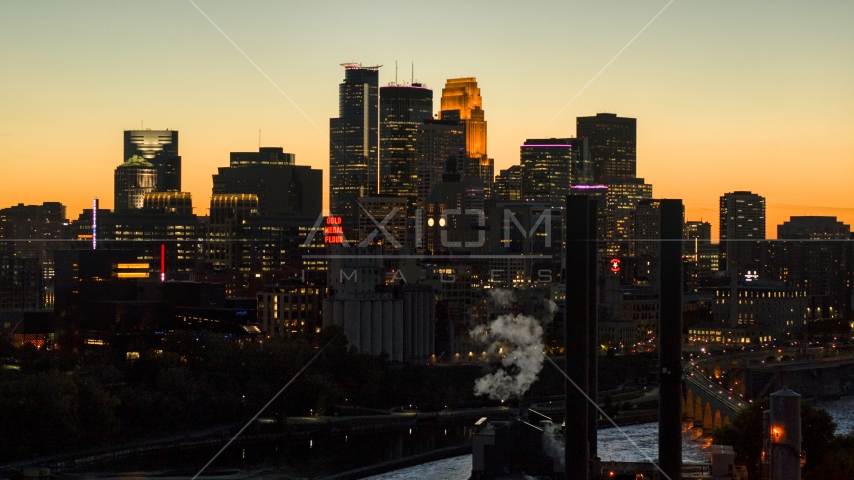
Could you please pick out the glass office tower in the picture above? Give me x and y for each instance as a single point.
(402, 109)
(353, 142)
(133, 179)
(551, 165)
(160, 149)
(613, 146)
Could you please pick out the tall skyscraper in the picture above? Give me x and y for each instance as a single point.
(620, 203)
(281, 187)
(551, 165)
(742, 219)
(402, 109)
(613, 146)
(353, 142)
(439, 141)
(461, 101)
(463, 95)
(133, 179)
(160, 148)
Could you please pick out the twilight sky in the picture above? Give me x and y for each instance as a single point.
(729, 95)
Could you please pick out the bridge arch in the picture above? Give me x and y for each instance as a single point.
(707, 417)
(689, 404)
(718, 422)
(698, 411)
(726, 420)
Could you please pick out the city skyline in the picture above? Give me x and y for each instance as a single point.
(697, 79)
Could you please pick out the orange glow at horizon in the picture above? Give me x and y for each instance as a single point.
(728, 95)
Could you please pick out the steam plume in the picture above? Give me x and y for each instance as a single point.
(519, 342)
(551, 445)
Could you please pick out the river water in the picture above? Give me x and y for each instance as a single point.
(641, 445)
(308, 459)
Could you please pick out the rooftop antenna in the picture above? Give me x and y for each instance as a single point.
(259, 139)
(395, 72)
(412, 80)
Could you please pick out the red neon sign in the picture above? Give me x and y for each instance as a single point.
(162, 262)
(615, 264)
(333, 232)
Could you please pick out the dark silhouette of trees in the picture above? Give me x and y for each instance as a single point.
(818, 440)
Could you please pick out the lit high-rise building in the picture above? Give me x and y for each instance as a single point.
(282, 187)
(160, 148)
(353, 142)
(261, 212)
(621, 200)
(508, 184)
(133, 179)
(697, 230)
(814, 253)
(647, 247)
(34, 231)
(742, 219)
(438, 141)
(551, 165)
(29, 237)
(699, 254)
(461, 101)
(613, 146)
(168, 202)
(402, 109)
(463, 95)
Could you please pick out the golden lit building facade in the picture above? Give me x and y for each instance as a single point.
(463, 95)
(461, 101)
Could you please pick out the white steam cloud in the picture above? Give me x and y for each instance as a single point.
(502, 297)
(518, 340)
(552, 445)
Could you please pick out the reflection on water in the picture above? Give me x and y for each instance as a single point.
(613, 445)
(456, 468)
(842, 411)
(317, 457)
(642, 443)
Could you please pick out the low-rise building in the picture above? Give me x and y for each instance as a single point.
(767, 309)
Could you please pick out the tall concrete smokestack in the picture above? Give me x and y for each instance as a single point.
(592, 329)
(670, 340)
(785, 435)
(576, 453)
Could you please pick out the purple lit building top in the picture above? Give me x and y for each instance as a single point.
(543, 145)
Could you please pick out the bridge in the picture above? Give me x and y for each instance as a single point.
(754, 374)
(706, 406)
(829, 377)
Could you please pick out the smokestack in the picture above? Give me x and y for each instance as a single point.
(670, 340)
(576, 334)
(785, 435)
(592, 328)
